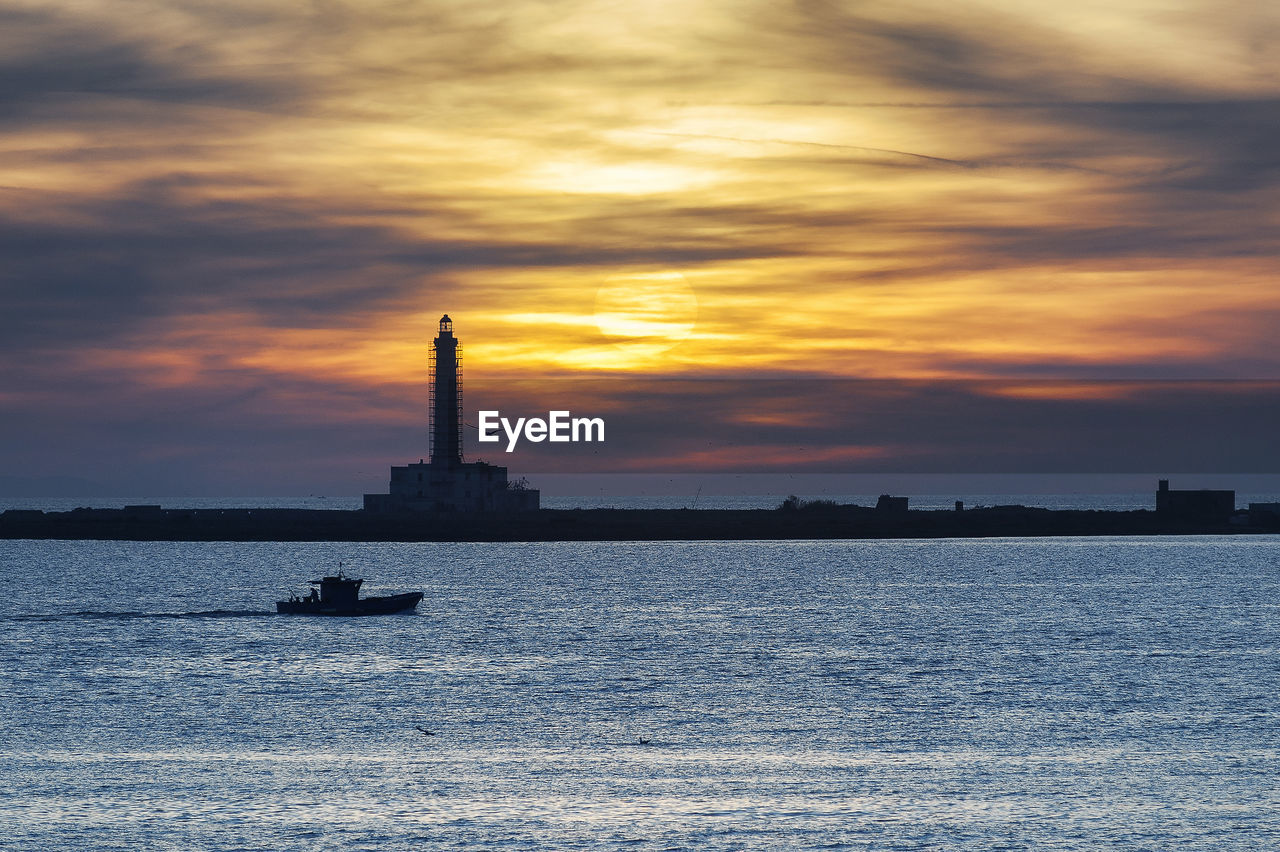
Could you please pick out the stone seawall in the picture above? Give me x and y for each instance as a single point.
(152, 523)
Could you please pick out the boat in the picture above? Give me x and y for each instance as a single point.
(340, 595)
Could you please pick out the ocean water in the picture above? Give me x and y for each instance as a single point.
(1032, 694)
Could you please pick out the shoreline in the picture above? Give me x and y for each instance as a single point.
(154, 523)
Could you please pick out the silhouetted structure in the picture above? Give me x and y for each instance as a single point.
(340, 595)
(1202, 505)
(1264, 513)
(446, 396)
(447, 483)
(889, 503)
(794, 519)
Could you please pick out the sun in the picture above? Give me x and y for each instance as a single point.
(652, 311)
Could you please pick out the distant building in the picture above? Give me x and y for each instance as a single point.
(446, 483)
(1202, 505)
(1264, 514)
(889, 503)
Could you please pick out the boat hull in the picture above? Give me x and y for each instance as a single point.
(384, 605)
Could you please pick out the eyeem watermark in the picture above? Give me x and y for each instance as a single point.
(559, 427)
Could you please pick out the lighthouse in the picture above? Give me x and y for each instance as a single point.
(446, 483)
(446, 397)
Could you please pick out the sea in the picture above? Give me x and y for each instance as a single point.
(977, 694)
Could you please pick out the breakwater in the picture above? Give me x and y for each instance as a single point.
(154, 523)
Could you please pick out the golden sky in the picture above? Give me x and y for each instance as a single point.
(236, 194)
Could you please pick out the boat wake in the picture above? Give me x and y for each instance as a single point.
(123, 616)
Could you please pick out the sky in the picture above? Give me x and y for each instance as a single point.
(1011, 236)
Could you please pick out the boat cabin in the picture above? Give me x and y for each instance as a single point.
(339, 591)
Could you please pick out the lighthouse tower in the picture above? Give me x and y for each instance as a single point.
(446, 483)
(446, 397)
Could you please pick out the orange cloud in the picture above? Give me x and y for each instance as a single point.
(757, 458)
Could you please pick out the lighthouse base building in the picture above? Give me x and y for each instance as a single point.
(446, 483)
(474, 487)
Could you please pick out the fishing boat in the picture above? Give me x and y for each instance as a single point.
(340, 595)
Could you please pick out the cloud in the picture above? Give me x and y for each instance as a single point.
(253, 427)
(54, 63)
(1185, 91)
(205, 200)
(85, 270)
